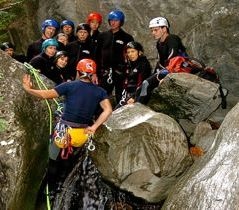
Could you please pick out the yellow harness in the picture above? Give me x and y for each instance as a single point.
(66, 136)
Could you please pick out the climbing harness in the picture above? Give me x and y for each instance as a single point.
(110, 80)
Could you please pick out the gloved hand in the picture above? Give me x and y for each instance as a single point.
(162, 73)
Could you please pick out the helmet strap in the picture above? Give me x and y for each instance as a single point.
(84, 75)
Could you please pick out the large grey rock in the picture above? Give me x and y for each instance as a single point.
(212, 182)
(201, 24)
(142, 151)
(24, 134)
(186, 96)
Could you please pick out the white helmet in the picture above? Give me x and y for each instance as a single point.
(158, 22)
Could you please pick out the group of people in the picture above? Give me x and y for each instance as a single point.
(121, 66)
(88, 66)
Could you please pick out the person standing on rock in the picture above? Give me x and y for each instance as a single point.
(110, 54)
(49, 29)
(168, 46)
(82, 99)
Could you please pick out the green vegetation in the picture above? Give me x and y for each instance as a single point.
(3, 125)
(9, 11)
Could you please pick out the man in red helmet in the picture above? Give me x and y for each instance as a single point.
(82, 99)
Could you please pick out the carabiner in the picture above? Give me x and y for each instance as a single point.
(90, 146)
(110, 80)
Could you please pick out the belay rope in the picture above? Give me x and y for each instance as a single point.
(89, 144)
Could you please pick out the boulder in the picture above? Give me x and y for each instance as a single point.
(142, 151)
(212, 182)
(24, 134)
(186, 96)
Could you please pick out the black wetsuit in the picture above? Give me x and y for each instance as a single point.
(110, 57)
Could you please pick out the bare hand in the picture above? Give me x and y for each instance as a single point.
(90, 130)
(26, 81)
(130, 101)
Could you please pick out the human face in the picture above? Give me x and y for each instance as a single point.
(158, 32)
(50, 51)
(62, 61)
(9, 51)
(132, 54)
(115, 25)
(82, 35)
(67, 29)
(49, 32)
(63, 39)
(94, 25)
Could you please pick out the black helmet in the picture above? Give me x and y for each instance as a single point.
(59, 54)
(6, 45)
(134, 45)
(83, 26)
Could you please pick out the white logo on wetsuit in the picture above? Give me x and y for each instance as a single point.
(135, 70)
(119, 41)
(86, 51)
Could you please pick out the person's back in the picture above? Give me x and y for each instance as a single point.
(77, 123)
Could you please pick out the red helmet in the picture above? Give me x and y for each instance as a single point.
(86, 66)
(94, 16)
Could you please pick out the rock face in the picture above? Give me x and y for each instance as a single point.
(209, 28)
(142, 151)
(212, 182)
(24, 133)
(186, 96)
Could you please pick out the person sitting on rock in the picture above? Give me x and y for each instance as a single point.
(138, 69)
(168, 46)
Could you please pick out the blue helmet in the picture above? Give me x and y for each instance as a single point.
(49, 42)
(49, 22)
(67, 22)
(116, 15)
